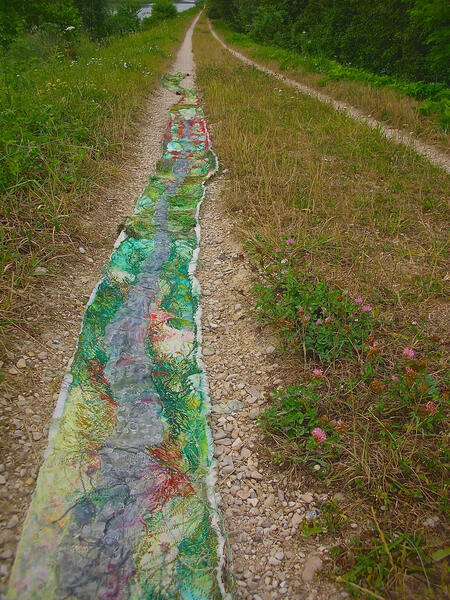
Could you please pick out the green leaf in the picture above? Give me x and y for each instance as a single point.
(440, 554)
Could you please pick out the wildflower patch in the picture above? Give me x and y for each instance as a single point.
(310, 315)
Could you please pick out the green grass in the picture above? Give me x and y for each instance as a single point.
(423, 108)
(65, 116)
(336, 218)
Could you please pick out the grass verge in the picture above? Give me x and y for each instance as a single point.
(65, 121)
(421, 109)
(347, 237)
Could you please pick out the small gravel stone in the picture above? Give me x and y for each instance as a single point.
(312, 565)
(296, 520)
(13, 521)
(226, 441)
(308, 498)
(237, 444)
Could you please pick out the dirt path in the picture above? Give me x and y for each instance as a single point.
(435, 156)
(262, 511)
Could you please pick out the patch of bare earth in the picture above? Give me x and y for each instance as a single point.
(263, 507)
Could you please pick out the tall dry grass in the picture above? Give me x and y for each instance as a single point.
(384, 103)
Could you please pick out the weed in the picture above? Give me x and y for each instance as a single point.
(378, 564)
(324, 322)
(329, 518)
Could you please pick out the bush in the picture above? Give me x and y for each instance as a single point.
(57, 17)
(94, 14)
(125, 19)
(11, 25)
(163, 9)
(267, 25)
(222, 9)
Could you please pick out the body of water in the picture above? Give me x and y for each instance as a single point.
(146, 10)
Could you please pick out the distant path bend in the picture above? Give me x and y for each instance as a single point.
(435, 156)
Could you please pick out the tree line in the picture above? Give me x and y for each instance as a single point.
(406, 38)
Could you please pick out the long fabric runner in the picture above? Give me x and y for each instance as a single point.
(124, 506)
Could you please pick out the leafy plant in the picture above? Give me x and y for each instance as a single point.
(163, 9)
(323, 321)
(125, 20)
(293, 412)
(328, 518)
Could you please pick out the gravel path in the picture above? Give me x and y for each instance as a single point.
(262, 509)
(435, 156)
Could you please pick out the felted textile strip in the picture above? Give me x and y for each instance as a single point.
(124, 506)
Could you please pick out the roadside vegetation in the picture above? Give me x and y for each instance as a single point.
(68, 98)
(391, 61)
(347, 236)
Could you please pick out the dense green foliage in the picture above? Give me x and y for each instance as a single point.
(94, 14)
(125, 19)
(161, 10)
(66, 18)
(434, 97)
(406, 38)
(21, 16)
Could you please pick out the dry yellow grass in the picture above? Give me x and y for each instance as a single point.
(368, 214)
